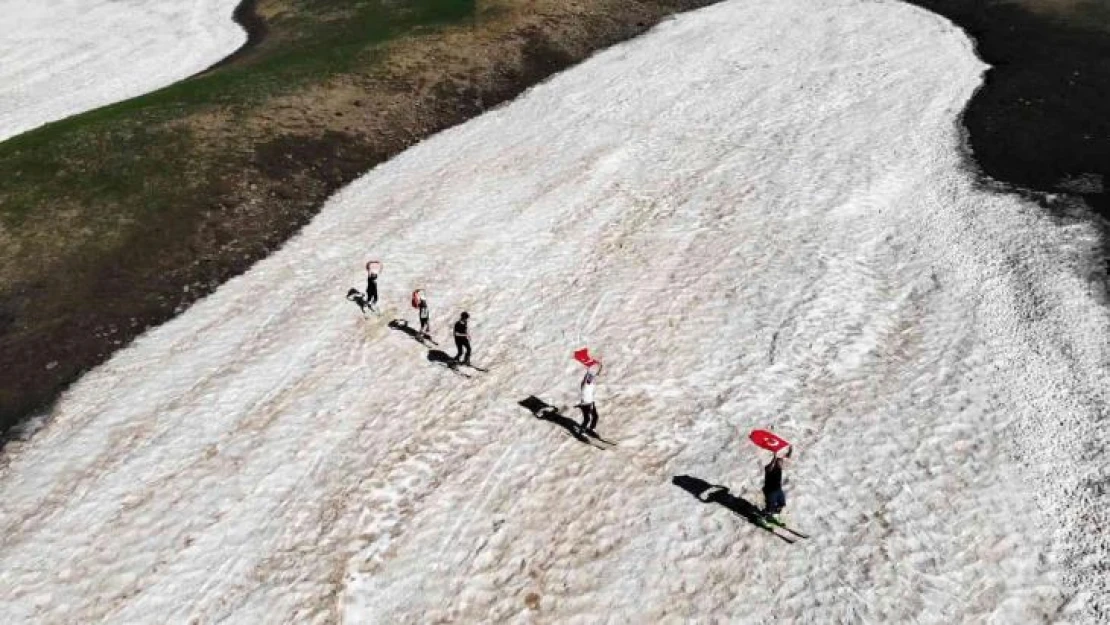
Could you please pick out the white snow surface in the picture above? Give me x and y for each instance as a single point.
(758, 215)
(63, 57)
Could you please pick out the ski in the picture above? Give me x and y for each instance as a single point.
(474, 367)
(779, 524)
(785, 539)
(455, 370)
(770, 529)
(592, 443)
(594, 436)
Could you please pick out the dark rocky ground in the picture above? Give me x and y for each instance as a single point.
(1042, 119)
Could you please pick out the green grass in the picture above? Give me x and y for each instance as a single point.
(130, 156)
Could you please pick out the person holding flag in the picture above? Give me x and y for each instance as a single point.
(586, 403)
(586, 392)
(422, 312)
(420, 303)
(774, 498)
(372, 269)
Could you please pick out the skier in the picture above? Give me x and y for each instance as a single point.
(422, 312)
(774, 499)
(371, 288)
(462, 339)
(586, 405)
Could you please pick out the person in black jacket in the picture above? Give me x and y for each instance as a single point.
(371, 289)
(462, 339)
(774, 498)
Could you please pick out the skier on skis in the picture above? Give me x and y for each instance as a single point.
(462, 339)
(774, 499)
(422, 312)
(371, 287)
(586, 403)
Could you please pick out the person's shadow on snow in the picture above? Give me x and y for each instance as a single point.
(435, 356)
(543, 410)
(714, 493)
(439, 357)
(403, 326)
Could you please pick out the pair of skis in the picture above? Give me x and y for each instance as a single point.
(772, 525)
(589, 437)
(595, 441)
(455, 366)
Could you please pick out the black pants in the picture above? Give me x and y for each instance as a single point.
(773, 501)
(424, 326)
(371, 294)
(589, 416)
(462, 344)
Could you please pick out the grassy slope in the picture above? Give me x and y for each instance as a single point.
(130, 155)
(115, 219)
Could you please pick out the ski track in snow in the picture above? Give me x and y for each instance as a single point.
(758, 214)
(63, 57)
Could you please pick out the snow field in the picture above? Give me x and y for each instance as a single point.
(63, 57)
(758, 215)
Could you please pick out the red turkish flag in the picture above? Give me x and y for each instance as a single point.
(583, 356)
(768, 440)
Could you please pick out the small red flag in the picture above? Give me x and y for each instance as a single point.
(583, 356)
(768, 440)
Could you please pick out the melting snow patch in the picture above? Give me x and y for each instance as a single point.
(758, 216)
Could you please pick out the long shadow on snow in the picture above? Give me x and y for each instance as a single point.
(543, 410)
(403, 326)
(435, 356)
(440, 357)
(715, 493)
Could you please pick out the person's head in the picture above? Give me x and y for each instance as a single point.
(464, 316)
